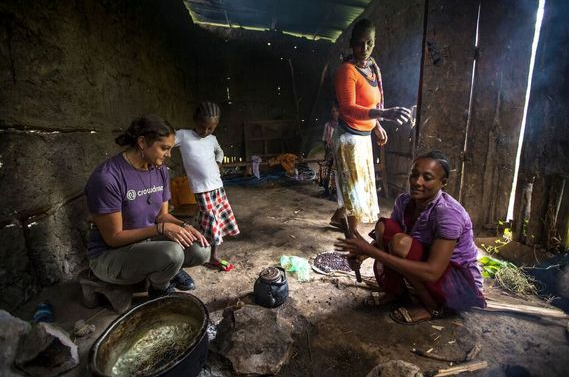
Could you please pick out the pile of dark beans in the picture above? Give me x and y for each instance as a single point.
(329, 262)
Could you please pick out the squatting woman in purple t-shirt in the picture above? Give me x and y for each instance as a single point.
(133, 237)
(429, 242)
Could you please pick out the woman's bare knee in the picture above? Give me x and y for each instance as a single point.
(379, 230)
(400, 245)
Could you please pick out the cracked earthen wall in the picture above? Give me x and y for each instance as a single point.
(73, 74)
(545, 151)
(476, 119)
(398, 49)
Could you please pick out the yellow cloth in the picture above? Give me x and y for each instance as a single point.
(286, 160)
(181, 192)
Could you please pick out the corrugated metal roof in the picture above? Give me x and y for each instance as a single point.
(314, 19)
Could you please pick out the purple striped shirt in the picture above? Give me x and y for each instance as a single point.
(445, 218)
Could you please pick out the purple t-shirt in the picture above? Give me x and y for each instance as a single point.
(444, 218)
(116, 186)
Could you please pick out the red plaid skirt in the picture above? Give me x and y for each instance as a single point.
(216, 218)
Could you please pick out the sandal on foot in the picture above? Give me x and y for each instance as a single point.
(221, 264)
(403, 317)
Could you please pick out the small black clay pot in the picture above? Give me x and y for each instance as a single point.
(271, 287)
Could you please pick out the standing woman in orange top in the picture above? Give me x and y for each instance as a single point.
(360, 96)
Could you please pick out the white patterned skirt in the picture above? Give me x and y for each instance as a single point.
(355, 176)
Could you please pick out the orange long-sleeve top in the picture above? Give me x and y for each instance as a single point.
(356, 96)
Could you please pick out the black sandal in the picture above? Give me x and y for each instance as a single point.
(183, 281)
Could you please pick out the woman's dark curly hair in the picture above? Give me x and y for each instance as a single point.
(361, 27)
(151, 126)
(438, 156)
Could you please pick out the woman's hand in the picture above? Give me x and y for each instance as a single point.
(355, 261)
(200, 237)
(380, 135)
(357, 246)
(183, 235)
(400, 115)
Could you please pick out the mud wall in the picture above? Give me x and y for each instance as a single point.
(257, 76)
(399, 43)
(446, 81)
(473, 96)
(506, 33)
(74, 74)
(398, 52)
(542, 200)
(470, 97)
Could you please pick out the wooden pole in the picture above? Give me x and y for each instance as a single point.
(294, 91)
(466, 367)
(317, 97)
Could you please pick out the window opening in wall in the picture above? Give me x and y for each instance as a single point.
(538, 20)
(469, 103)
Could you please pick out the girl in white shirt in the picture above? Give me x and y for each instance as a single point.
(202, 156)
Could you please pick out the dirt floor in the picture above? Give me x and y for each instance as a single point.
(343, 336)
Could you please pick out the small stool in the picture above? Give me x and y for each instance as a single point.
(120, 296)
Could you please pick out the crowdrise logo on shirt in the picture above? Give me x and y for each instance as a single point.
(132, 194)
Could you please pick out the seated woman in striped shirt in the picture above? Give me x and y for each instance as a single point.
(428, 242)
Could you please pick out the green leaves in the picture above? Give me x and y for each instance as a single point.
(490, 266)
(508, 276)
(508, 234)
(505, 239)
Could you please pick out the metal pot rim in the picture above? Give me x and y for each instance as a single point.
(157, 372)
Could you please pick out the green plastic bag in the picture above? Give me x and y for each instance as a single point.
(298, 265)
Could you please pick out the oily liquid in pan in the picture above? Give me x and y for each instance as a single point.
(155, 347)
